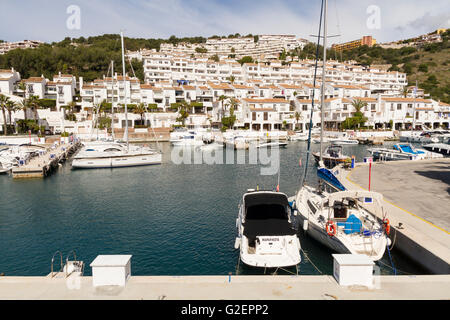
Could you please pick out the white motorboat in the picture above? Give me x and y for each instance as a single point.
(402, 151)
(273, 144)
(188, 139)
(4, 169)
(343, 141)
(210, 146)
(442, 148)
(266, 233)
(114, 156)
(298, 137)
(346, 222)
(331, 156)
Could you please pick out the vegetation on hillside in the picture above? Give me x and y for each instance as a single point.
(87, 57)
(429, 65)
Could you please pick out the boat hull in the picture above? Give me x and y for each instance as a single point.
(117, 162)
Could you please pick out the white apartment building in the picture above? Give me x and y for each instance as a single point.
(181, 69)
(7, 46)
(266, 48)
(8, 80)
(262, 105)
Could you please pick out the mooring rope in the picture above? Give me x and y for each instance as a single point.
(306, 256)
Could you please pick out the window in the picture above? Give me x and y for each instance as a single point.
(399, 106)
(305, 107)
(266, 116)
(253, 115)
(373, 106)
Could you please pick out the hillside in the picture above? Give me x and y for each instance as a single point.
(429, 65)
(86, 57)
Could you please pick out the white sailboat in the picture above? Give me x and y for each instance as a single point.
(342, 220)
(114, 154)
(346, 221)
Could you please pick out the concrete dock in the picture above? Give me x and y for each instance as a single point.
(417, 199)
(430, 287)
(43, 165)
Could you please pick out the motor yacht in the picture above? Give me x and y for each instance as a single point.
(267, 237)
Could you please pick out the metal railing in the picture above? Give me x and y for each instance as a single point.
(53, 260)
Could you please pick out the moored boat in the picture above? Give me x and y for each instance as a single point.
(267, 237)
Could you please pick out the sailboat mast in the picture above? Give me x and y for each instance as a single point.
(324, 62)
(124, 87)
(112, 99)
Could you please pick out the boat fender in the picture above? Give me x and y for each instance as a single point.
(386, 226)
(305, 225)
(331, 228)
(237, 243)
(389, 242)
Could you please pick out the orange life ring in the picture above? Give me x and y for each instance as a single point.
(331, 228)
(387, 226)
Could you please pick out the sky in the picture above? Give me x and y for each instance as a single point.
(385, 20)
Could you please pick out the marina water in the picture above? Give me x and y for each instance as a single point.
(174, 219)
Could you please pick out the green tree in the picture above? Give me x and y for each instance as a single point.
(201, 50)
(215, 58)
(246, 59)
(183, 112)
(140, 110)
(221, 99)
(298, 116)
(11, 107)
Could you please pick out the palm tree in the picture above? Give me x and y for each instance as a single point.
(232, 79)
(71, 106)
(298, 116)
(3, 100)
(221, 99)
(24, 105)
(23, 87)
(33, 103)
(140, 109)
(232, 104)
(11, 107)
(405, 92)
(358, 105)
(183, 110)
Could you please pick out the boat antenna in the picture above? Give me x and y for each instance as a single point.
(125, 88)
(313, 94)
